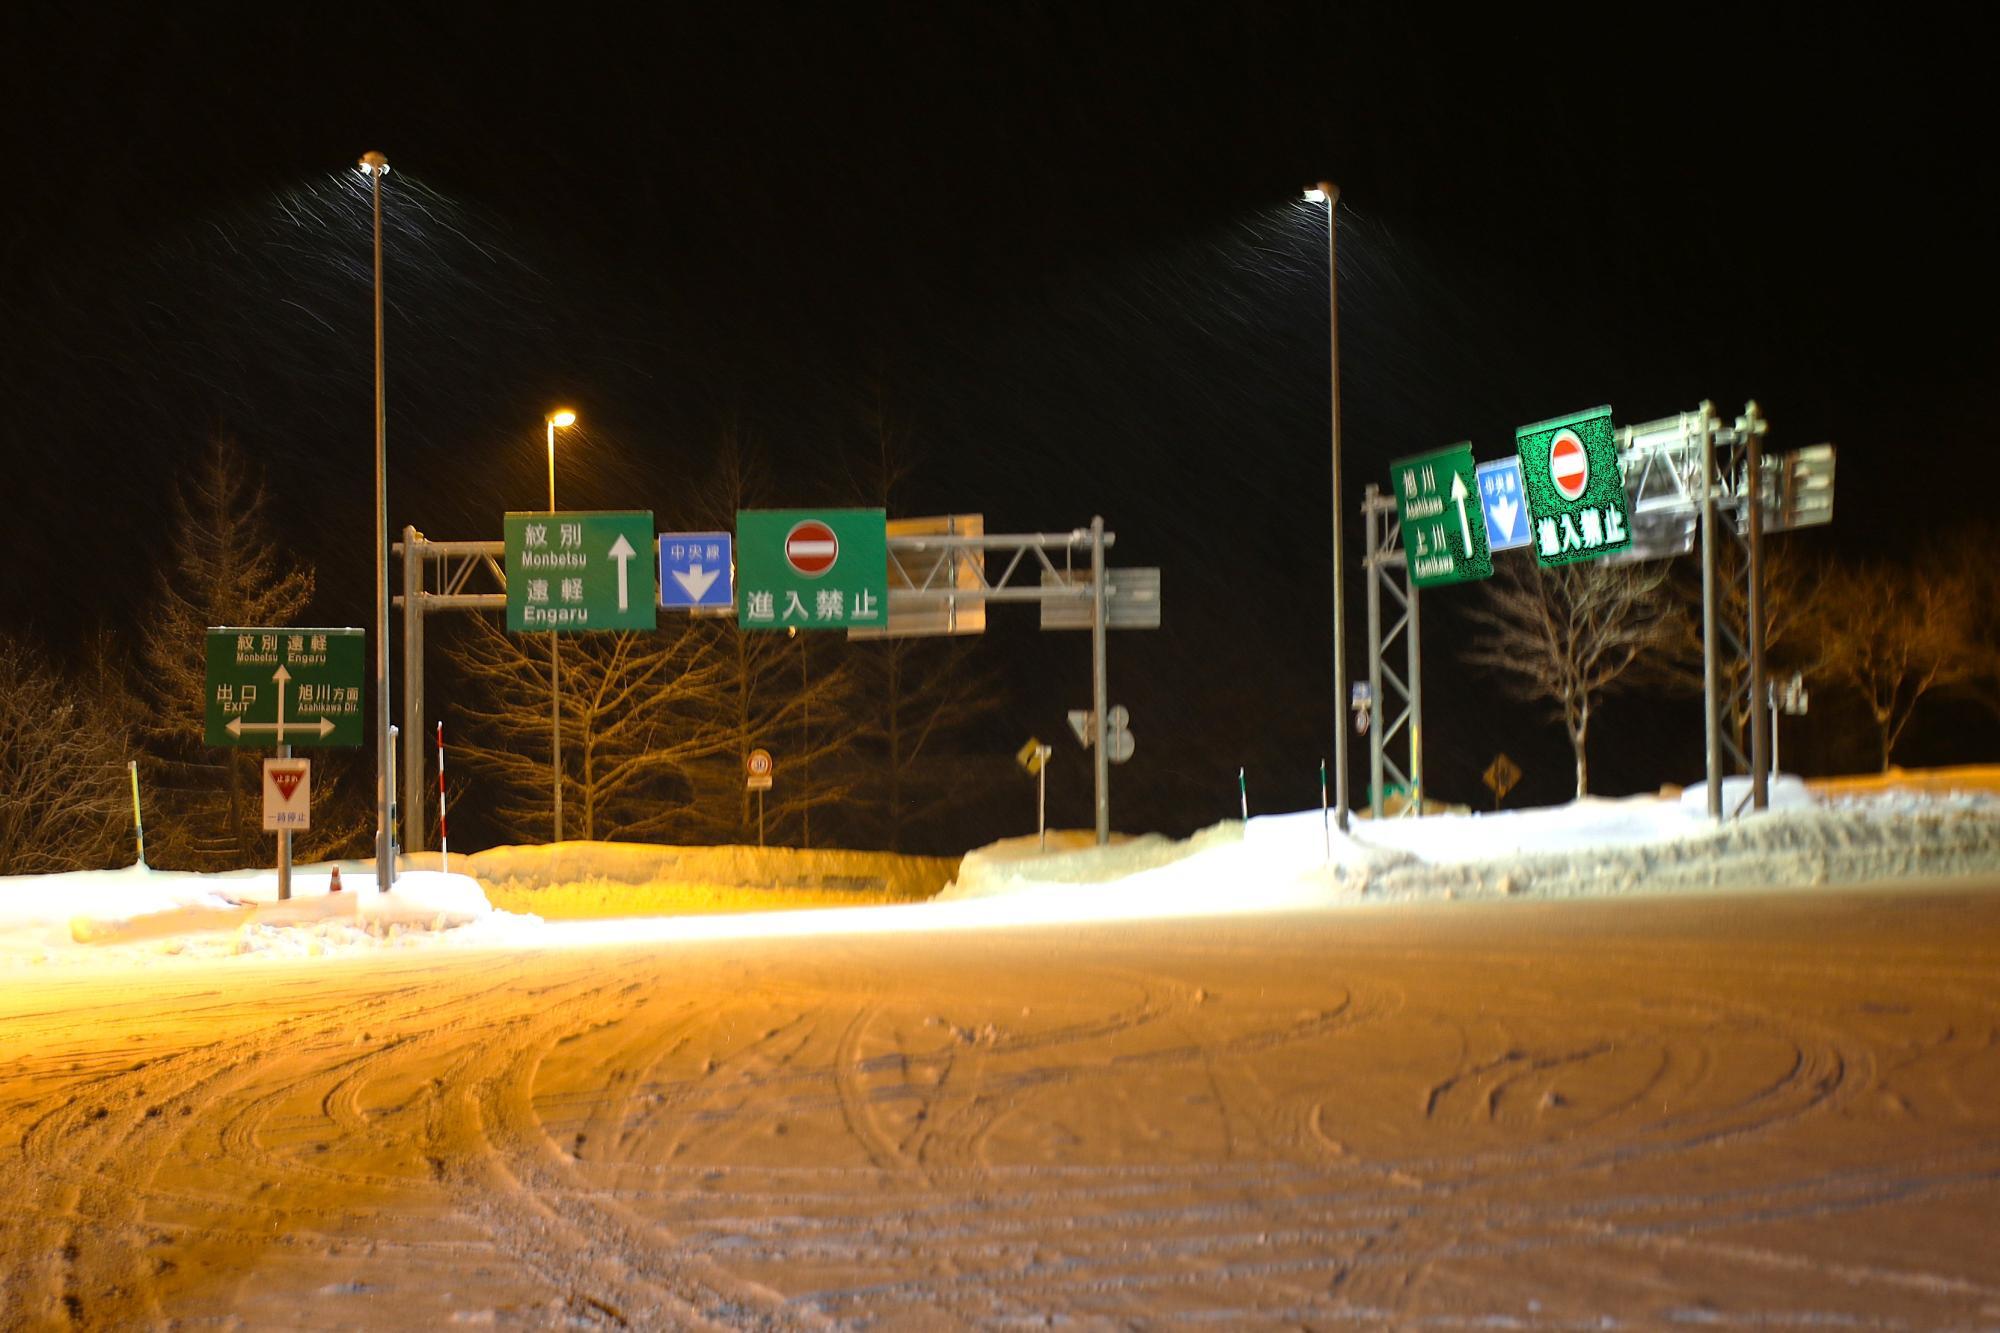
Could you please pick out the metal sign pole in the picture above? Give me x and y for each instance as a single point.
(412, 802)
(1751, 428)
(1711, 648)
(1042, 802)
(760, 818)
(385, 866)
(1371, 515)
(284, 845)
(1099, 687)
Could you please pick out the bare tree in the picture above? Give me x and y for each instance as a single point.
(63, 799)
(791, 694)
(915, 696)
(1969, 565)
(1892, 635)
(636, 711)
(226, 569)
(1789, 580)
(1572, 635)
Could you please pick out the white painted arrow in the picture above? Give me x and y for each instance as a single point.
(237, 726)
(1504, 510)
(622, 552)
(696, 581)
(1458, 494)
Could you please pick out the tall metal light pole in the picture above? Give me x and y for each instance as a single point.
(562, 416)
(1328, 193)
(377, 166)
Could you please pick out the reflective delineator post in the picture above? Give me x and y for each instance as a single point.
(1243, 795)
(444, 838)
(284, 846)
(1325, 823)
(138, 820)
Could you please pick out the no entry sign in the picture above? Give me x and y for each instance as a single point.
(1577, 507)
(1569, 465)
(812, 569)
(812, 548)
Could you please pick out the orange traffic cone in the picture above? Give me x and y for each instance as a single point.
(334, 887)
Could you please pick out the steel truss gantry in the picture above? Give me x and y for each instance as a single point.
(935, 579)
(1399, 711)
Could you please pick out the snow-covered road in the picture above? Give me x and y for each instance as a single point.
(1730, 1111)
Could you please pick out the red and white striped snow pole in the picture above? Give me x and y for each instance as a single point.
(444, 841)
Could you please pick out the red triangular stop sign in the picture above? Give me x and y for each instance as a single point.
(287, 781)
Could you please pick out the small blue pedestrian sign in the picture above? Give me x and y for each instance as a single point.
(1506, 508)
(696, 571)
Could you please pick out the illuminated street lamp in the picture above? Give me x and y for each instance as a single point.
(375, 167)
(1329, 194)
(562, 416)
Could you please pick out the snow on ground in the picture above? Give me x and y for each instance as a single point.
(1089, 1089)
(1929, 825)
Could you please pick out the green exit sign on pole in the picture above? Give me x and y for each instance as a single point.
(1444, 525)
(581, 570)
(273, 685)
(1576, 496)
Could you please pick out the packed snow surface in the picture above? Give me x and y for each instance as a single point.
(1263, 1078)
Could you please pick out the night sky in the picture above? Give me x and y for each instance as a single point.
(1060, 246)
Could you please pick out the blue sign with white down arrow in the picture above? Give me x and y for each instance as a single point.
(696, 570)
(1506, 507)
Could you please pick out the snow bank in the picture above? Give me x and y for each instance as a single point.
(1898, 827)
(106, 914)
(1589, 847)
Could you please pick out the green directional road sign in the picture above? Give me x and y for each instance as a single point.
(1444, 525)
(273, 686)
(1577, 508)
(581, 570)
(812, 569)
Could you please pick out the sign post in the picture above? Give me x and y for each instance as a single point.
(1576, 494)
(287, 806)
(1034, 760)
(1444, 526)
(1500, 777)
(283, 686)
(757, 778)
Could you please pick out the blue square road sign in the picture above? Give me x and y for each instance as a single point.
(696, 570)
(1506, 507)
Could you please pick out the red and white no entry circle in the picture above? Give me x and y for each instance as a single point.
(758, 763)
(1569, 465)
(811, 548)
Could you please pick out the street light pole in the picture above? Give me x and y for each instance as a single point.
(562, 416)
(377, 166)
(1329, 193)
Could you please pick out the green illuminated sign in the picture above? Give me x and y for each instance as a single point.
(812, 569)
(1444, 526)
(581, 570)
(1576, 497)
(272, 685)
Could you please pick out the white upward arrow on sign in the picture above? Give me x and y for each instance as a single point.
(1464, 527)
(696, 581)
(237, 726)
(622, 552)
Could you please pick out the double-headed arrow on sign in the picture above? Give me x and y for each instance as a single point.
(237, 726)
